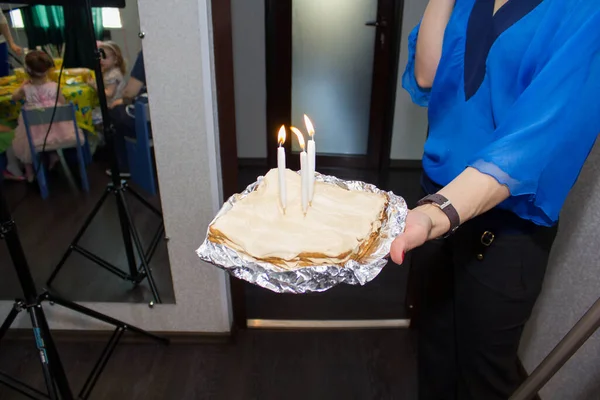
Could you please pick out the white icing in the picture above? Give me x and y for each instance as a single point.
(338, 220)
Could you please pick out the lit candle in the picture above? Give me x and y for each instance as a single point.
(303, 169)
(281, 167)
(312, 156)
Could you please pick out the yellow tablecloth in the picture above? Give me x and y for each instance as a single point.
(81, 95)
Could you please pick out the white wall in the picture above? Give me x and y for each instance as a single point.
(186, 155)
(410, 121)
(127, 37)
(571, 286)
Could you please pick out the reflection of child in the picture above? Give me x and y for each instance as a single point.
(40, 92)
(113, 71)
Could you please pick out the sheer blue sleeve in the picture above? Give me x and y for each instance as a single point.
(419, 95)
(547, 134)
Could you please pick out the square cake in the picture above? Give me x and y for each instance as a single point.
(339, 225)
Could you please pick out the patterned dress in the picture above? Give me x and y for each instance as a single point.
(62, 134)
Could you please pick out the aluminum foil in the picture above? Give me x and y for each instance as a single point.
(309, 279)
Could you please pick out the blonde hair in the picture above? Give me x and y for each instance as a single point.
(112, 46)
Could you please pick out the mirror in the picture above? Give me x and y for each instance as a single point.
(52, 202)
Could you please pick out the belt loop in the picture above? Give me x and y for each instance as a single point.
(486, 240)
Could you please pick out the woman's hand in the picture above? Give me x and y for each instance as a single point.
(423, 223)
(472, 193)
(115, 103)
(16, 49)
(417, 231)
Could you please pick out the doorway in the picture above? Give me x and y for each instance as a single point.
(335, 61)
(382, 302)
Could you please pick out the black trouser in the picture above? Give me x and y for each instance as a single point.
(472, 303)
(124, 127)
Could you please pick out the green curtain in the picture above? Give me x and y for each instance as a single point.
(43, 25)
(79, 51)
(56, 25)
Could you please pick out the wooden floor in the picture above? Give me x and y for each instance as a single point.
(47, 227)
(362, 365)
(382, 298)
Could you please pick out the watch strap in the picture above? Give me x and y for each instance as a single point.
(447, 208)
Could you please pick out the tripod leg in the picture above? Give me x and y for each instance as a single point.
(9, 320)
(101, 364)
(101, 317)
(21, 387)
(54, 373)
(564, 350)
(75, 241)
(154, 244)
(140, 250)
(125, 232)
(145, 202)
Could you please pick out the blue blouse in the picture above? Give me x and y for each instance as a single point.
(517, 96)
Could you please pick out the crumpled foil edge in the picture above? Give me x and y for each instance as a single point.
(309, 279)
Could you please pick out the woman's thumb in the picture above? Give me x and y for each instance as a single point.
(398, 249)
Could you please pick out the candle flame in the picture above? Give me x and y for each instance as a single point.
(309, 126)
(281, 135)
(299, 136)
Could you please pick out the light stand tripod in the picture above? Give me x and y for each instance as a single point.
(54, 374)
(564, 350)
(119, 188)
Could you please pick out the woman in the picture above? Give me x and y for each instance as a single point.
(6, 40)
(512, 89)
(122, 113)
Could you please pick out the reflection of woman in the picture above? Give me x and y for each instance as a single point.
(6, 40)
(121, 114)
(512, 89)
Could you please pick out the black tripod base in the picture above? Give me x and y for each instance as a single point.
(54, 374)
(131, 238)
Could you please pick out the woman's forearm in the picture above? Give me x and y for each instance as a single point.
(471, 193)
(430, 40)
(5, 31)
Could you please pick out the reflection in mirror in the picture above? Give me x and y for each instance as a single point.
(54, 175)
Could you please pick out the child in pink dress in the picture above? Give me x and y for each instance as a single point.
(40, 92)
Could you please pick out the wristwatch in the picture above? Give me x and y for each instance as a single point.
(446, 206)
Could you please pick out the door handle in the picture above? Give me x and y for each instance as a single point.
(377, 24)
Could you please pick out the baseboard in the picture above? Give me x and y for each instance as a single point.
(406, 164)
(524, 375)
(84, 336)
(327, 324)
(252, 162)
(394, 164)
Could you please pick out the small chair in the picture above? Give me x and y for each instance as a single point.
(43, 116)
(139, 156)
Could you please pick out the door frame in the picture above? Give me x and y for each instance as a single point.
(224, 78)
(224, 74)
(278, 32)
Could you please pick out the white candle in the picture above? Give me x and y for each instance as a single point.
(281, 168)
(304, 173)
(304, 169)
(312, 157)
